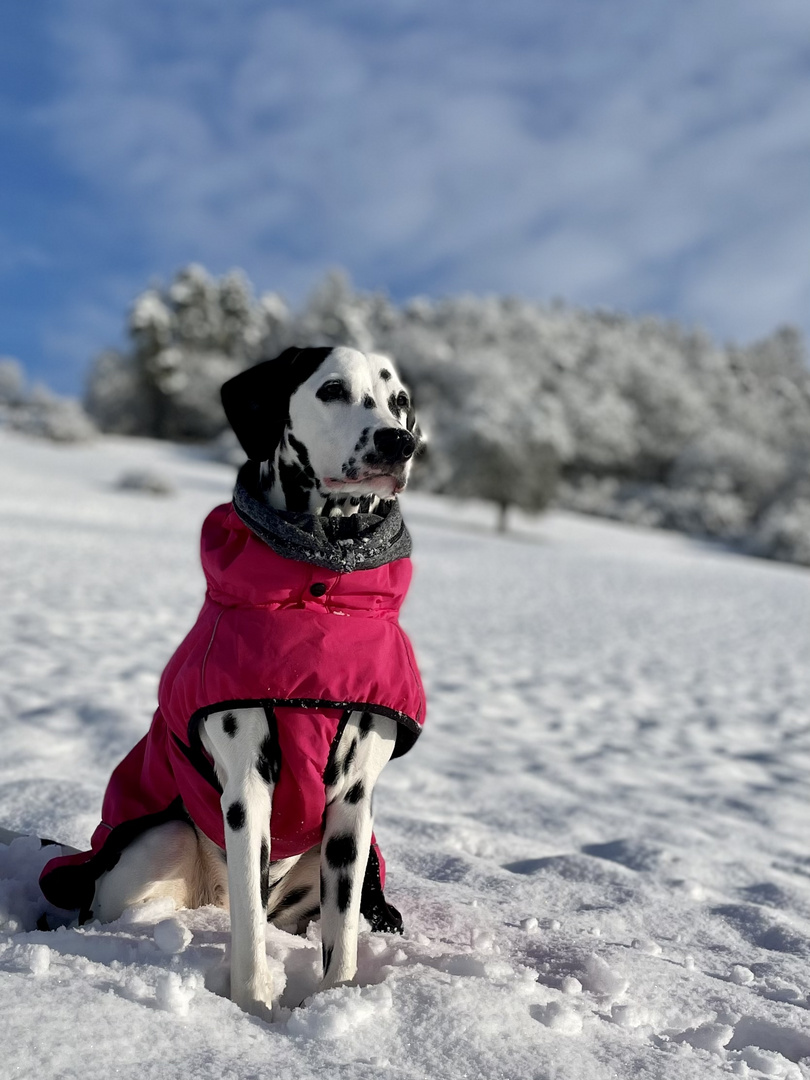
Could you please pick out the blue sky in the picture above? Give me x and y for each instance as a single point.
(647, 155)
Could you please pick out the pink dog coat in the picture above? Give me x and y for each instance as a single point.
(292, 637)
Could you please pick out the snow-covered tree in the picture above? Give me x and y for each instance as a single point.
(645, 420)
(37, 411)
(186, 340)
(503, 471)
(12, 381)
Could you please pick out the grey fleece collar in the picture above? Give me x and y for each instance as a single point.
(343, 544)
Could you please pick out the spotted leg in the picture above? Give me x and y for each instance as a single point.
(363, 749)
(244, 746)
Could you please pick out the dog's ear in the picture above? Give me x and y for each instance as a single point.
(257, 401)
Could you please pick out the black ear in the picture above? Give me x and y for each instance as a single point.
(257, 401)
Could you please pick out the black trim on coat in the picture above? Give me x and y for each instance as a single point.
(407, 735)
(197, 756)
(330, 761)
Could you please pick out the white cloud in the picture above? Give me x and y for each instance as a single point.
(642, 156)
(15, 256)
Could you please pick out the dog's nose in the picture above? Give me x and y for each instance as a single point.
(394, 444)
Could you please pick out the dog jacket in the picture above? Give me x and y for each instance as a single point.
(305, 643)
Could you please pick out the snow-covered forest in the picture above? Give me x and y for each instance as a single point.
(640, 419)
(528, 404)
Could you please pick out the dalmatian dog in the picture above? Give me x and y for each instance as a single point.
(330, 434)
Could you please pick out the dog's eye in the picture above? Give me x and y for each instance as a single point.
(334, 390)
(402, 400)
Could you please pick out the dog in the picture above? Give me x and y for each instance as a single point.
(292, 691)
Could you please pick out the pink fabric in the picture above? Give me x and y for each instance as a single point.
(262, 635)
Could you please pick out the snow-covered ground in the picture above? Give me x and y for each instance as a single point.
(600, 844)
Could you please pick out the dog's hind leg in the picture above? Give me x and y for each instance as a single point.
(161, 862)
(365, 747)
(244, 746)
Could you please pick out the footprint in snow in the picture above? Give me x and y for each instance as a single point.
(634, 854)
(760, 929)
(770, 1049)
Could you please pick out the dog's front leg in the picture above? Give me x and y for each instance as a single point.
(244, 746)
(365, 746)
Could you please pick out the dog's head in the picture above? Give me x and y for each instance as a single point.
(345, 414)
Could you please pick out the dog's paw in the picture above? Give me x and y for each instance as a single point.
(338, 976)
(262, 1010)
(255, 997)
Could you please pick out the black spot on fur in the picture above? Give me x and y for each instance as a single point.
(344, 893)
(355, 793)
(301, 451)
(268, 763)
(264, 875)
(330, 773)
(366, 724)
(327, 958)
(385, 374)
(369, 402)
(296, 487)
(341, 851)
(350, 755)
(229, 724)
(236, 816)
(365, 504)
(293, 897)
(361, 442)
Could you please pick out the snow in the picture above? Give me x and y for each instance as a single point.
(599, 844)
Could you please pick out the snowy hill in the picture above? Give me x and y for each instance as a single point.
(600, 844)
